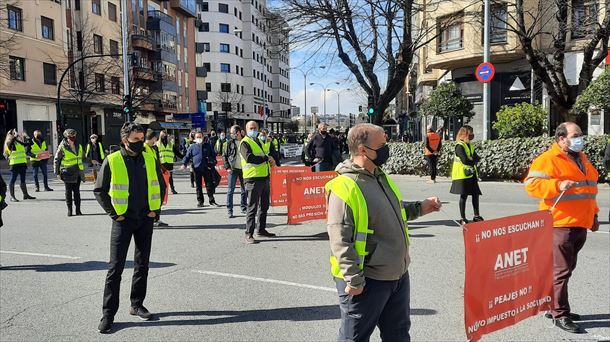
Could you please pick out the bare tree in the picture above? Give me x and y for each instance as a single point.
(369, 37)
(230, 97)
(550, 29)
(8, 42)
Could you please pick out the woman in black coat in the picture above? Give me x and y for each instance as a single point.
(71, 175)
(466, 161)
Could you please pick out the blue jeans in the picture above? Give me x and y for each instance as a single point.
(232, 178)
(324, 166)
(42, 166)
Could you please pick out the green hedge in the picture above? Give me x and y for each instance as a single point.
(503, 159)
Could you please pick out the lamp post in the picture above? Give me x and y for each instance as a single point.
(325, 87)
(305, 86)
(338, 92)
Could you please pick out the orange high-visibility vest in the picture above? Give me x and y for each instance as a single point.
(578, 206)
(433, 140)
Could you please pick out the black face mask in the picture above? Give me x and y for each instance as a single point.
(383, 154)
(136, 147)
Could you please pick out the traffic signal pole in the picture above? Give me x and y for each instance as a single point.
(126, 93)
(486, 107)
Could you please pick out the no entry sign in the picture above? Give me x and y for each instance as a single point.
(485, 72)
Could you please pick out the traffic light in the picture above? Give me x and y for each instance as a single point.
(127, 106)
(371, 107)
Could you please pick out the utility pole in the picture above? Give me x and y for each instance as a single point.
(486, 114)
(126, 93)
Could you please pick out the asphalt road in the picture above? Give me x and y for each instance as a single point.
(206, 284)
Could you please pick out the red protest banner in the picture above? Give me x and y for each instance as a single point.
(307, 196)
(509, 271)
(220, 168)
(279, 190)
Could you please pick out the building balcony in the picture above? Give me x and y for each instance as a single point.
(148, 105)
(165, 106)
(143, 73)
(472, 55)
(142, 42)
(187, 7)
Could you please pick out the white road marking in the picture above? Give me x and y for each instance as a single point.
(266, 280)
(42, 255)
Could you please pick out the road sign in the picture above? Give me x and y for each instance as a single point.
(485, 72)
(198, 120)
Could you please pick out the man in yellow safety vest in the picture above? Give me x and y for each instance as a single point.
(130, 189)
(369, 240)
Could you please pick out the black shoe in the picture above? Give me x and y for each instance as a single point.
(250, 239)
(265, 233)
(78, 212)
(174, 192)
(230, 215)
(193, 186)
(70, 213)
(28, 197)
(48, 189)
(37, 190)
(141, 312)
(477, 218)
(464, 221)
(160, 224)
(565, 323)
(200, 205)
(572, 316)
(14, 199)
(213, 203)
(105, 325)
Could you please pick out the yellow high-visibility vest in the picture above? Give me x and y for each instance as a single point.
(35, 148)
(266, 146)
(148, 149)
(119, 183)
(99, 145)
(70, 159)
(166, 152)
(254, 170)
(458, 170)
(17, 156)
(349, 192)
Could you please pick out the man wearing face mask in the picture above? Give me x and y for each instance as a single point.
(167, 152)
(369, 240)
(38, 147)
(564, 175)
(321, 148)
(221, 144)
(232, 163)
(203, 158)
(129, 188)
(256, 166)
(268, 146)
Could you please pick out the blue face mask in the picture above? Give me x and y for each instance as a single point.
(253, 134)
(576, 144)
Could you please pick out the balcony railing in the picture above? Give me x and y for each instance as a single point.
(141, 41)
(160, 16)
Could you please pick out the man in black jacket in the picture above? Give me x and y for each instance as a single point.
(232, 163)
(321, 149)
(203, 158)
(136, 219)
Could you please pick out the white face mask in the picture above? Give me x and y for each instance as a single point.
(198, 140)
(577, 144)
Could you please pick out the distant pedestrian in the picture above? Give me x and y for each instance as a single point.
(277, 141)
(432, 150)
(150, 147)
(268, 147)
(3, 204)
(95, 154)
(203, 157)
(464, 174)
(369, 241)
(168, 151)
(69, 168)
(130, 189)
(321, 148)
(220, 144)
(40, 158)
(565, 181)
(16, 151)
(256, 167)
(232, 163)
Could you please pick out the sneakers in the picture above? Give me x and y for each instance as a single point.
(160, 224)
(250, 239)
(477, 218)
(565, 323)
(265, 233)
(105, 325)
(141, 312)
(572, 316)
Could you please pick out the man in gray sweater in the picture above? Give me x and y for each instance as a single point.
(367, 227)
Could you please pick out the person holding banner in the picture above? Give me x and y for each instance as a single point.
(464, 174)
(95, 154)
(369, 240)
(566, 183)
(232, 163)
(38, 147)
(256, 166)
(69, 168)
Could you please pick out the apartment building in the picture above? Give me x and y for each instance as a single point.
(242, 64)
(458, 49)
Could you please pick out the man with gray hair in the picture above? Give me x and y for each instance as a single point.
(320, 149)
(369, 240)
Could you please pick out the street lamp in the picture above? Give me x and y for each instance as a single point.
(305, 86)
(325, 86)
(339, 103)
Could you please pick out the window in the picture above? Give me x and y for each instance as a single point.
(47, 27)
(208, 86)
(226, 106)
(208, 106)
(225, 48)
(497, 32)
(15, 18)
(451, 33)
(205, 7)
(584, 17)
(206, 47)
(224, 67)
(96, 7)
(114, 48)
(77, 5)
(17, 68)
(79, 40)
(223, 8)
(49, 73)
(100, 85)
(115, 85)
(98, 44)
(223, 28)
(207, 67)
(112, 11)
(225, 87)
(205, 27)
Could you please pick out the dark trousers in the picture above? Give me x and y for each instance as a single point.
(385, 304)
(171, 181)
(192, 178)
(141, 229)
(475, 205)
(258, 195)
(567, 242)
(209, 185)
(42, 167)
(232, 179)
(73, 194)
(17, 171)
(432, 162)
